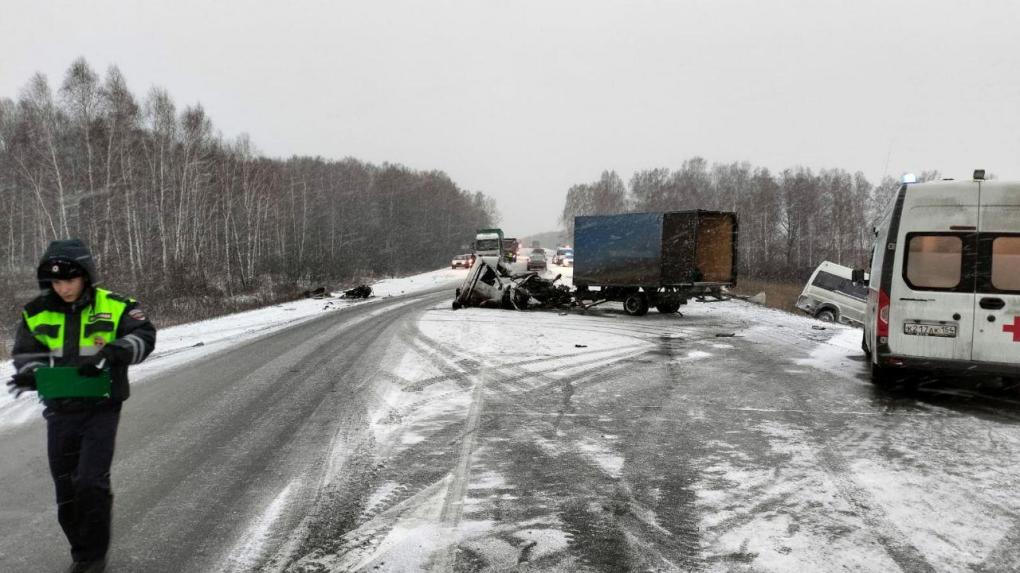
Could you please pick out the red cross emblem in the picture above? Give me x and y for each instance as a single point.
(1014, 328)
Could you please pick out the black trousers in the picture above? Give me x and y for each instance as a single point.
(80, 445)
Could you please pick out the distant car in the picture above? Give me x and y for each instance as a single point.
(462, 262)
(831, 295)
(537, 261)
(563, 255)
(539, 251)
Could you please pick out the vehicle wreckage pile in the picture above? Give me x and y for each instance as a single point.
(641, 260)
(494, 286)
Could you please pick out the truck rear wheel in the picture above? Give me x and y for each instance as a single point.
(636, 304)
(668, 307)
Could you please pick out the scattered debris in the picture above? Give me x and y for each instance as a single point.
(816, 327)
(725, 334)
(716, 297)
(756, 299)
(540, 292)
(316, 293)
(362, 291)
(580, 346)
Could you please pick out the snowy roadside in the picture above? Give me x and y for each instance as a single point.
(194, 340)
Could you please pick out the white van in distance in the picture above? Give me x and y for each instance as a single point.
(831, 295)
(944, 294)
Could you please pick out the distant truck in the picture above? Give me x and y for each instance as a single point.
(654, 259)
(510, 247)
(489, 243)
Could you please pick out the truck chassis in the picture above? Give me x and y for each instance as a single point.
(637, 300)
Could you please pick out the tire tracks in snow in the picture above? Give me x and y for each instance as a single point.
(363, 543)
(601, 538)
(892, 539)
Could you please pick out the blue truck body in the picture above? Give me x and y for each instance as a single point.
(660, 258)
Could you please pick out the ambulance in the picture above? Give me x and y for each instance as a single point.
(944, 291)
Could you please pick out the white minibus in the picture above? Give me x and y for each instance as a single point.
(831, 295)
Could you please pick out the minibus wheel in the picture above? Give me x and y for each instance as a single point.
(827, 315)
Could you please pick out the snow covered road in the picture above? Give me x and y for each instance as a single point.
(404, 436)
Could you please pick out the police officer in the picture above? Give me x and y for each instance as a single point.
(75, 323)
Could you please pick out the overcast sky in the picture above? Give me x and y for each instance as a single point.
(523, 99)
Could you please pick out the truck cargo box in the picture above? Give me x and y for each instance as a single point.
(654, 250)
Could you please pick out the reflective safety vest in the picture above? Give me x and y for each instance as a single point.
(99, 321)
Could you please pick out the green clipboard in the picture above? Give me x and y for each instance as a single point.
(65, 382)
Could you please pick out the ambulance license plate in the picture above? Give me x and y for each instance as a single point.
(928, 329)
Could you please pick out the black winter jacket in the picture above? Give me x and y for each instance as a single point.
(29, 353)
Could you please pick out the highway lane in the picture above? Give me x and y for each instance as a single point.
(204, 449)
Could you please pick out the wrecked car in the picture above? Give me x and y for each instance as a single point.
(491, 286)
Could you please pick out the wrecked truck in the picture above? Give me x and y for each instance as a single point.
(654, 259)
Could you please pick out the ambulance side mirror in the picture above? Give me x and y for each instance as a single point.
(857, 276)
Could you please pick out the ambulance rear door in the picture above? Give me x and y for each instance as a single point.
(932, 292)
(997, 305)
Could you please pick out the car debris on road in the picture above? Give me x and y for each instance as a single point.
(315, 293)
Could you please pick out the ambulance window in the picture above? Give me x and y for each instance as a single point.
(1006, 263)
(934, 261)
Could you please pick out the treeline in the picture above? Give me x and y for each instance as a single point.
(789, 221)
(173, 210)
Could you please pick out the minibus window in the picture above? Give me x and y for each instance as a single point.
(827, 281)
(1006, 263)
(856, 291)
(934, 261)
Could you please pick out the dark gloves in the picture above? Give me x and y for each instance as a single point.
(21, 382)
(111, 355)
(93, 365)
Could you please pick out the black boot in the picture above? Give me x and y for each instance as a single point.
(88, 566)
